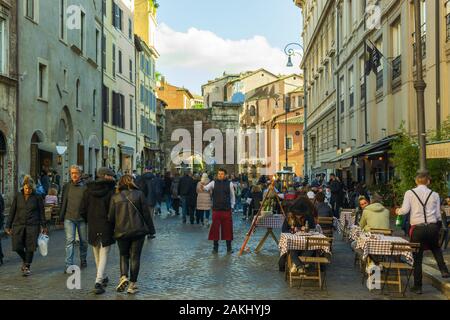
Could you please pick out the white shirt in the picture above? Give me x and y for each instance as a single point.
(411, 204)
(211, 185)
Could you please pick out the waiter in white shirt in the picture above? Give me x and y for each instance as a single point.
(223, 199)
(424, 207)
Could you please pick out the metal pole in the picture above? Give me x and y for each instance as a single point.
(286, 132)
(420, 85)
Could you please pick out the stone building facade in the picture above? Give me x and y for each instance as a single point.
(60, 86)
(8, 98)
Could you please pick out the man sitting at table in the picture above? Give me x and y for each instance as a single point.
(375, 215)
(300, 214)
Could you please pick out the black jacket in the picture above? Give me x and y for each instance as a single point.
(151, 188)
(94, 210)
(167, 185)
(185, 186)
(26, 213)
(307, 217)
(130, 217)
(323, 210)
(192, 195)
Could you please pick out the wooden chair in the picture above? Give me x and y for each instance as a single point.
(326, 224)
(386, 232)
(311, 245)
(395, 264)
(290, 276)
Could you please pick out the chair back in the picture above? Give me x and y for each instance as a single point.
(404, 247)
(386, 232)
(318, 243)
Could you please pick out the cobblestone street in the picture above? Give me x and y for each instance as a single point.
(178, 264)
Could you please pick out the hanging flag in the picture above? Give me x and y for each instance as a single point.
(374, 61)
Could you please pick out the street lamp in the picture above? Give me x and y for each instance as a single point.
(289, 51)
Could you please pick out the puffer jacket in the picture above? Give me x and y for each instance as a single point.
(94, 209)
(130, 217)
(204, 201)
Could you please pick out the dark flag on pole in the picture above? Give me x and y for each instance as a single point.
(374, 60)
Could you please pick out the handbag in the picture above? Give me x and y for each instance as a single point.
(147, 229)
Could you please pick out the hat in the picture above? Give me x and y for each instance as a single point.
(104, 171)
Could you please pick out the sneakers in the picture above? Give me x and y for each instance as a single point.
(98, 289)
(123, 284)
(416, 290)
(151, 236)
(105, 282)
(26, 271)
(132, 289)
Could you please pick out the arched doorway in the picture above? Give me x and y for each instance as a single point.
(2, 162)
(94, 155)
(80, 151)
(66, 138)
(39, 154)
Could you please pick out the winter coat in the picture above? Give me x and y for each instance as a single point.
(151, 188)
(323, 210)
(204, 201)
(375, 216)
(192, 194)
(174, 188)
(130, 217)
(26, 217)
(185, 186)
(65, 198)
(167, 185)
(94, 210)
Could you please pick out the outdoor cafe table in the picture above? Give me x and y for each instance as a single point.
(355, 232)
(270, 222)
(297, 241)
(376, 244)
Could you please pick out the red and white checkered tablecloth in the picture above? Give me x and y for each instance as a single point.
(375, 244)
(289, 241)
(273, 221)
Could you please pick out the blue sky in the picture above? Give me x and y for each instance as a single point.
(200, 39)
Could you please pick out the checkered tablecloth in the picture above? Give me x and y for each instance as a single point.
(355, 232)
(289, 241)
(337, 224)
(347, 217)
(372, 244)
(273, 221)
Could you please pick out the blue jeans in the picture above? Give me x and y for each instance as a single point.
(168, 202)
(70, 228)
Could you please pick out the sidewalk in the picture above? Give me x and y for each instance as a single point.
(431, 271)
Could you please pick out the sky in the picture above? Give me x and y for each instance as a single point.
(199, 40)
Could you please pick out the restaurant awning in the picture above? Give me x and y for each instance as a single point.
(127, 150)
(344, 160)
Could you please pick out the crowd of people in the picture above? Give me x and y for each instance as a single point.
(120, 208)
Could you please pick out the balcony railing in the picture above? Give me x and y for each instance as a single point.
(379, 80)
(423, 40)
(397, 67)
(448, 26)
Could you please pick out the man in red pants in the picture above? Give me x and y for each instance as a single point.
(223, 203)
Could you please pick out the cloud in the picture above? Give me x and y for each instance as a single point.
(197, 51)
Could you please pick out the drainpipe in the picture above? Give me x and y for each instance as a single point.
(438, 70)
(16, 142)
(337, 78)
(103, 84)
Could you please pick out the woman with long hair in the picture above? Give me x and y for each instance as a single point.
(26, 221)
(132, 221)
(204, 201)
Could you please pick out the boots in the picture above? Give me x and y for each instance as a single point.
(216, 247)
(229, 248)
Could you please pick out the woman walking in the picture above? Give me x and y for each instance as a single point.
(131, 221)
(204, 202)
(26, 221)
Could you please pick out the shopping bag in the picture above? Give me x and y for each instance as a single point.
(43, 244)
